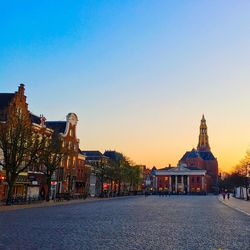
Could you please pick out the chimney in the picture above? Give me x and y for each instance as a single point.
(21, 89)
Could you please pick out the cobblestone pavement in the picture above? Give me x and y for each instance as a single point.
(178, 222)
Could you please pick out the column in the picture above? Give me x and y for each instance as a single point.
(170, 183)
(176, 182)
(202, 183)
(188, 189)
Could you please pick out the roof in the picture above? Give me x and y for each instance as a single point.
(184, 157)
(204, 155)
(180, 170)
(5, 99)
(193, 168)
(92, 155)
(166, 168)
(113, 155)
(35, 118)
(193, 154)
(57, 126)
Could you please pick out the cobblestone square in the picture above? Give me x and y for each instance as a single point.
(176, 222)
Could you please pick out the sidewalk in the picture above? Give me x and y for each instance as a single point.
(240, 205)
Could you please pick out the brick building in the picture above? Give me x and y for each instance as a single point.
(24, 184)
(72, 175)
(197, 170)
(203, 158)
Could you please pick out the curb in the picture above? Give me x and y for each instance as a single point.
(54, 204)
(235, 208)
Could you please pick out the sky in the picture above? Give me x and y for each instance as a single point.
(138, 74)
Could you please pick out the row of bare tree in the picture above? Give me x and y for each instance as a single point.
(239, 176)
(22, 148)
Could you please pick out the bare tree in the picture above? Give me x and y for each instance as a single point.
(242, 169)
(101, 169)
(21, 146)
(51, 158)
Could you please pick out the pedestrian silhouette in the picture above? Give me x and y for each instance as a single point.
(228, 195)
(224, 195)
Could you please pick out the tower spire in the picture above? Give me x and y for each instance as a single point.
(203, 144)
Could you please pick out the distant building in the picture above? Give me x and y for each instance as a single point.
(203, 158)
(181, 179)
(197, 170)
(93, 158)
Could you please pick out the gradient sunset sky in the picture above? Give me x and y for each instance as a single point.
(139, 74)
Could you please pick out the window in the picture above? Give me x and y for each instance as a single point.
(71, 132)
(192, 179)
(198, 179)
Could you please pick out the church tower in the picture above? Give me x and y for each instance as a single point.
(203, 144)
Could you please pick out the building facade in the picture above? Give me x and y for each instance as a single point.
(180, 180)
(24, 185)
(72, 174)
(67, 174)
(203, 158)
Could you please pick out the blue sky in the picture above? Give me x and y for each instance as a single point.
(139, 74)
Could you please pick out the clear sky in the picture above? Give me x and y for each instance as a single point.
(139, 74)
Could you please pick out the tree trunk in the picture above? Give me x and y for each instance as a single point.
(119, 187)
(11, 179)
(49, 188)
(10, 193)
(102, 181)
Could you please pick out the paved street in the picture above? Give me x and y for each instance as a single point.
(178, 222)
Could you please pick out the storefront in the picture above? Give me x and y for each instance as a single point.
(21, 185)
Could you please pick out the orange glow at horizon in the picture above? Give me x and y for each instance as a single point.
(168, 147)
